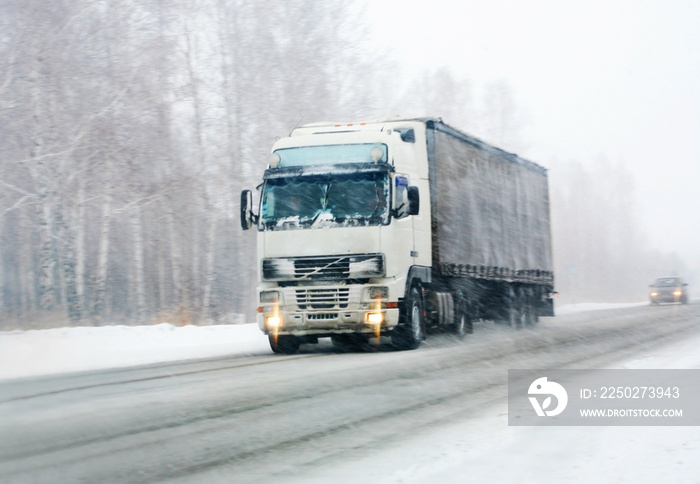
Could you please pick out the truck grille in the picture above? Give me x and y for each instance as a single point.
(329, 268)
(322, 298)
(322, 268)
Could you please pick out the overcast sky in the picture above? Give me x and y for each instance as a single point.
(619, 79)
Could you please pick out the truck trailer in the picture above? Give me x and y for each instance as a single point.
(396, 228)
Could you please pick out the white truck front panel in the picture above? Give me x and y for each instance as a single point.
(337, 304)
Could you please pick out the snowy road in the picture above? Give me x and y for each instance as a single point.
(437, 414)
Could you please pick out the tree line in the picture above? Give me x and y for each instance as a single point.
(128, 130)
(601, 254)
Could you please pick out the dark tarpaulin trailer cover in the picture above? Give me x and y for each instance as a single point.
(490, 210)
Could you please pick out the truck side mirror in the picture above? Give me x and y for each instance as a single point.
(406, 198)
(413, 200)
(248, 218)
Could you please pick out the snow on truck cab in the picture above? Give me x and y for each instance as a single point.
(394, 228)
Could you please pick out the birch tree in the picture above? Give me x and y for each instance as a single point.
(128, 130)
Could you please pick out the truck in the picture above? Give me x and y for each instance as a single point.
(396, 228)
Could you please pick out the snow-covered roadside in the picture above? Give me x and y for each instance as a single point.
(62, 350)
(581, 307)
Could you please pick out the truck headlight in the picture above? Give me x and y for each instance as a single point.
(269, 297)
(377, 292)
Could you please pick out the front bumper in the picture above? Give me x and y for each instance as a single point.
(325, 311)
(667, 297)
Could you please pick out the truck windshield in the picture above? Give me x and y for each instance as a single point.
(339, 200)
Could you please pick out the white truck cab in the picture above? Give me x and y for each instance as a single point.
(339, 227)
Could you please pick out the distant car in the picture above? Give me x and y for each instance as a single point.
(668, 290)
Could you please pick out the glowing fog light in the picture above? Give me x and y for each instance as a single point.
(654, 294)
(273, 321)
(374, 318)
(677, 293)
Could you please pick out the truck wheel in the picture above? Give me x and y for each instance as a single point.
(531, 317)
(517, 314)
(284, 343)
(409, 335)
(463, 322)
(531, 311)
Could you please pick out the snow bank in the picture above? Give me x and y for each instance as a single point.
(581, 307)
(42, 352)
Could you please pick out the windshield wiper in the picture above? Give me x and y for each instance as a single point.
(326, 190)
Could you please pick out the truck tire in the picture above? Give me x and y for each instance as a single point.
(408, 336)
(533, 316)
(533, 305)
(517, 313)
(463, 322)
(285, 344)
